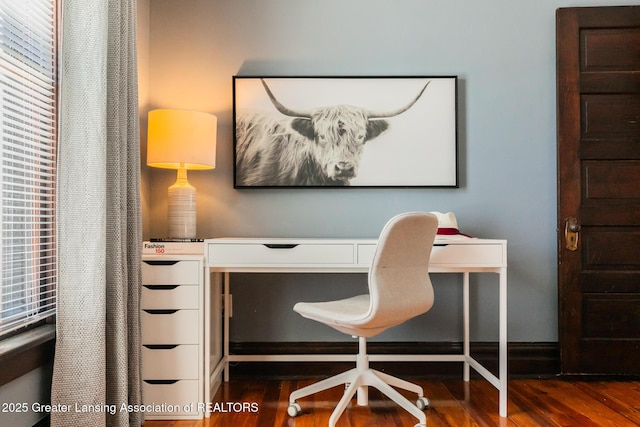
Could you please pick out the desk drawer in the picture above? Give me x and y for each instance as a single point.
(170, 272)
(476, 255)
(170, 326)
(280, 254)
(169, 297)
(450, 254)
(162, 362)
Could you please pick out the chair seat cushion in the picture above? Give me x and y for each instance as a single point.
(344, 310)
(343, 315)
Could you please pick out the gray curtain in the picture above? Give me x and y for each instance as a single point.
(97, 359)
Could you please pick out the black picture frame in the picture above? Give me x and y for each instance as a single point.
(360, 131)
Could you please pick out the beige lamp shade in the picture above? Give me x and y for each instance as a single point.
(181, 138)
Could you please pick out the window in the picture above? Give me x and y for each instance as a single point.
(28, 85)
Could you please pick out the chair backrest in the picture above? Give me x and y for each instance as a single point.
(399, 283)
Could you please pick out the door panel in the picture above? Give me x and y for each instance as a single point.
(612, 317)
(610, 180)
(610, 49)
(598, 112)
(606, 281)
(609, 116)
(611, 248)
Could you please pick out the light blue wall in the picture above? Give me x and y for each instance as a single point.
(504, 54)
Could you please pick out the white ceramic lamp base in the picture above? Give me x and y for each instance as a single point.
(182, 208)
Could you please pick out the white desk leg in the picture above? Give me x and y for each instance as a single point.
(206, 306)
(225, 332)
(503, 342)
(465, 303)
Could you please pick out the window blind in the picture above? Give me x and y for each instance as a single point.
(28, 72)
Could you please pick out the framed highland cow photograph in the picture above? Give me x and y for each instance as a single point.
(324, 132)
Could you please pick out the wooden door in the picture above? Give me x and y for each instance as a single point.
(598, 113)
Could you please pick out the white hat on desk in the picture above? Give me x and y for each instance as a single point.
(448, 226)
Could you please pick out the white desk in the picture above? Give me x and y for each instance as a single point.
(449, 255)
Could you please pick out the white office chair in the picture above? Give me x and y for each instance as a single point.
(399, 289)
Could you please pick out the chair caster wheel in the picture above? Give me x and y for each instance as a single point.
(422, 403)
(294, 410)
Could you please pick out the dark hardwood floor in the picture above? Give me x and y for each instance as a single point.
(539, 403)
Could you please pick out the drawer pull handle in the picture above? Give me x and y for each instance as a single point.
(160, 262)
(160, 287)
(440, 244)
(280, 245)
(160, 346)
(161, 311)
(161, 382)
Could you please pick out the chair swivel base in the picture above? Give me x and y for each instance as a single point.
(359, 378)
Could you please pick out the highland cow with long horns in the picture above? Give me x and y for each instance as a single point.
(319, 147)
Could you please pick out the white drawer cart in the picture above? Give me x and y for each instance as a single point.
(172, 318)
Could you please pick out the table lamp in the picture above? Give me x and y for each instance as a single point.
(182, 140)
